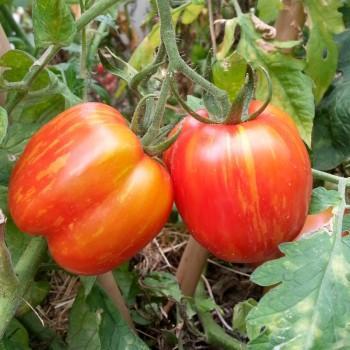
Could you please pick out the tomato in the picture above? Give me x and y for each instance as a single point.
(85, 183)
(241, 189)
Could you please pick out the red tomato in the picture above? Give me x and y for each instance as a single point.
(242, 189)
(85, 183)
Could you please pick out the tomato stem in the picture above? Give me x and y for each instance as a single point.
(321, 175)
(188, 109)
(176, 62)
(237, 7)
(146, 73)
(157, 120)
(135, 124)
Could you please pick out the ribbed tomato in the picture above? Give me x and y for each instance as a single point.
(241, 189)
(85, 183)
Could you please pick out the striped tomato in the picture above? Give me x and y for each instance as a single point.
(85, 183)
(241, 189)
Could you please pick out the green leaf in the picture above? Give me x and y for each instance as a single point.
(310, 306)
(16, 64)
(240, 313)
(36, 294)
(330, 138)
(229, 74)
(16, 337)
(95, 324)
(268, 9)
(3, 124)
(3, 198)
(53, 23)
(292, 89)
(128, 282)
(216, 336)
(163, 284)
(84, 325)
(16, 240)
(322, 199)
(88, 282)
(322, 52)
(194, 102)
(51, 340)
(143, 54)
(229, 38)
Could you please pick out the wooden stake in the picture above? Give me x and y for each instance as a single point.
(189, 271)
(290, 20)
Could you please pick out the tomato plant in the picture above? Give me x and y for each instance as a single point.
(84, 183)
(89, 188)
(242, 189)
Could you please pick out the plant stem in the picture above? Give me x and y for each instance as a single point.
(321, 175)
(17, 286)
(16, 28)
(237, 7)
(158, 113)
(84, 56)
(95, 10)
(211, 26)
(33, 72)
(99, 35)
(177, 63)
(109, 284)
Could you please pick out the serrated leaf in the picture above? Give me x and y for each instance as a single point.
(3, 124)
(95, 324)
(310, 306)
(229, 74)
(163, 284)
(53, 23)
(322, 199)
(194, 102)
(15, 65)
(292, 89)
(324, 21)
(240, 312)
(268, 9)
(330, 137)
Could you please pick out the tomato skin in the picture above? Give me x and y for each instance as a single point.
(241, 189)
(85, 184)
